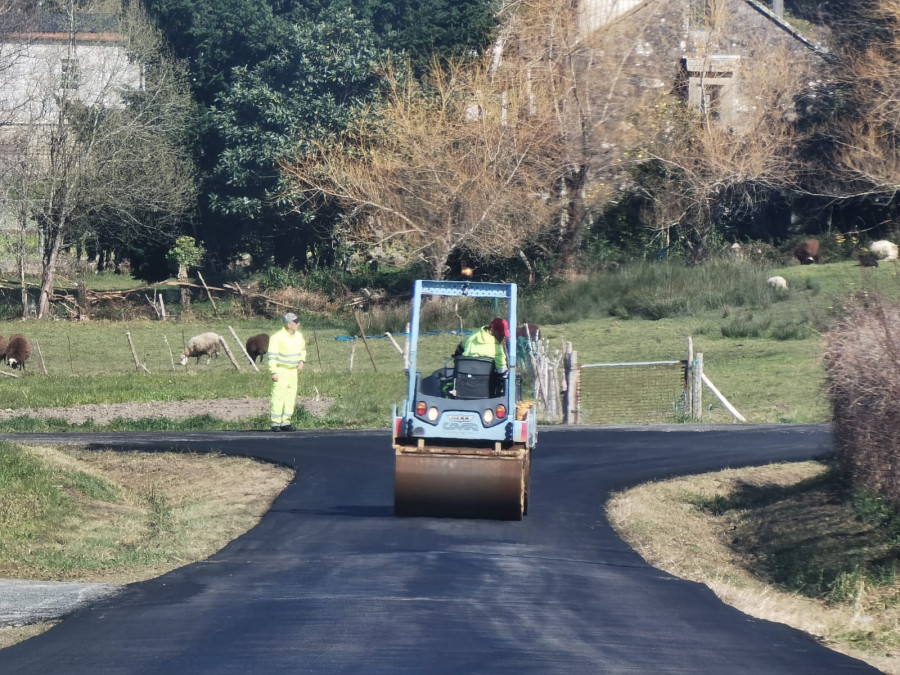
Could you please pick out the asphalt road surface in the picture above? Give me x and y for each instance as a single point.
(331, 582)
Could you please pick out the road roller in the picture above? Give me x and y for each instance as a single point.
(462, 437)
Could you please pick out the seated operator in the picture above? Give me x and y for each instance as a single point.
(488, 342)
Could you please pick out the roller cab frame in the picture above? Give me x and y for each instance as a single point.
(462, 449)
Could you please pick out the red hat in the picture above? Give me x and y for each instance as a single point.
(500, 326)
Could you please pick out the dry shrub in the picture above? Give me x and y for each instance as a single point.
(308, 301)
(862, 356)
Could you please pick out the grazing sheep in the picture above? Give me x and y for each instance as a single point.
(807, 251)
(4, 344)
(736, 251)
(258, 346)
(868, 260)
(778, 283)
(883, 249)
(205, 344)
(17, 351)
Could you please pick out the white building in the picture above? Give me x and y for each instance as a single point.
(48, 60)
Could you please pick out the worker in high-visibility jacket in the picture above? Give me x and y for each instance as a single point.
(286, 357)
(488, 342)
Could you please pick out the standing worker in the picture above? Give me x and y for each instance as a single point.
(287, 354)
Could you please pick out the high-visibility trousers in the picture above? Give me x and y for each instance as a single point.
(284, 397)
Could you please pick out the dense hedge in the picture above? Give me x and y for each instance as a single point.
(863, 362)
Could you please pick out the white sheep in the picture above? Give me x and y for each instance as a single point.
(883, 249)
(778, 283)
(205, 344)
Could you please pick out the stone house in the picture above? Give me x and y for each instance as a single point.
(715, 55)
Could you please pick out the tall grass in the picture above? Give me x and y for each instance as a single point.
(654, 291)
(29, 495)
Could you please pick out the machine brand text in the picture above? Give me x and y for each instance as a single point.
(460, 426)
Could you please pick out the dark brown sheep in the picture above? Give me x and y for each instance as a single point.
(258, 346)
(17, 351)
(868, 260)
(807, 251)
(527, 330)
(4, 343)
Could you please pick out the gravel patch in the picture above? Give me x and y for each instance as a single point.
(227, 409)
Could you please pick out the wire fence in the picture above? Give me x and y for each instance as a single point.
(631, 393)
(61, 348)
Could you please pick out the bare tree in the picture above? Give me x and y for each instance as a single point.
(461, 162)
(589, 84)
(866, 159)
(98, 141)
(715, 160)
(495, 153)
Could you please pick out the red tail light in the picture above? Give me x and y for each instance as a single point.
(421, 408)
(501, 412)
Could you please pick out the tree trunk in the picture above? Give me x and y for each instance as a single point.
(185, 291)
(528, 266)
(48, 275)
(570, 237)
(440, 252)
(21, 261)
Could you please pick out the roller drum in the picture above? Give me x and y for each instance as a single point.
(486, 485)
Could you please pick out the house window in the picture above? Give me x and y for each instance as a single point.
(710, 85)
(70, 75)
(711, 104)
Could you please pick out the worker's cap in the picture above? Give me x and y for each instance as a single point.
(290, 316)
(500, 326)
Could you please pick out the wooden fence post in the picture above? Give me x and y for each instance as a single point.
(572, 385)
(243, 349)
(697, 387)
(138, 366)
(406, 348)
(71, 360)
(724, 401)
(171, 356)
(688, 381)
(365, 342)
(398, 348)
(230, 355)
(37, 350)
(211, 301)
(318, 355)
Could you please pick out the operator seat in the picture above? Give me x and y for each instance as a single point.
(472, 376)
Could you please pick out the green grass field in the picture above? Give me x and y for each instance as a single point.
(762, 348)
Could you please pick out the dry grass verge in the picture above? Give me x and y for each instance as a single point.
(737, 531)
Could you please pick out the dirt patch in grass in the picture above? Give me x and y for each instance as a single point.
(227, 409)
(778, 543)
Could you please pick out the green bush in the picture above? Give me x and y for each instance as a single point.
(792, 330)
(746, 326)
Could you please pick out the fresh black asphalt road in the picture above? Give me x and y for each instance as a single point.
(331, 582)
